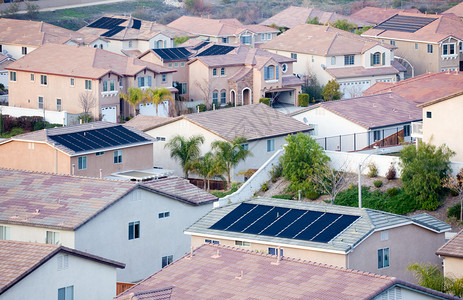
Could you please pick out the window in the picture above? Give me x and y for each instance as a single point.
(105, 86)
(176, 64)
(416, 46)
(1, 48)
(88, 84)
(43, 80)
(376, 59)
(118, 156)
(170, 65)
(164, 215)
(101, 46)
(99, 153)
(393, 43)
(225, 40)
(222, 72)
(134, 230)
(40, 103)
(245, 39)
(242, 243)
(269, 73)
(284, 68)
(82, 163)
(182, 64)
(164, 77)
(182, 88)
(406, 130)
(58, 104)
(145, 81)
(112, 85)
(72, 81)
(12, 76)
(214, 242)
(32, 77)
(24, 50)
(263, 36)
(384, 235)
(245, 146)
(160, 138)
(52, 238)
(223, 97)
(4, 233)
(274, 251)
(269, 36)
(460, 46)
(214, 72)
(130, 44)
(448, 49)
(376, 135)
(66, 293)
(167, 260)
(294, 56)
(333, 60)
(428, 114)
(63, 262)
(383, 258)
(270, 145)
(429, 48)
(215, 97)
(348, 60)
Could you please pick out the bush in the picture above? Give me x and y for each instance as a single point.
(283, 196)
(312, 195)
(378, 183)
(391, 173)
(453, 192)
(392, 192)
(202, 107)
(304, 100)
(276, 172)
(264, 187)
(266, 101)
(373, 170)
(454, 211)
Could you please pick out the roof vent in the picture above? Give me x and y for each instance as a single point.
(241, 275)
(217, 255)
(37, 212)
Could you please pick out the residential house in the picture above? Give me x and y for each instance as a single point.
(348, 237)
(219, 272)
(294, 15)
(452, 255)
(363, 122)
(132, 36)
(93, 78)
(138, 223)
(96, 149)
(429, 43)
(4, 61)
(325, 53)
(20, 37)
(264, 128)
(226, 31)
(457, 10)
(32, 270)
(376, 15)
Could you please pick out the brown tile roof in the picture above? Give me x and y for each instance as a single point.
(86, 62)
(435, 32)
(321, 40)
(295, 15)
(456, 10)
(453, 248)
(220, 272)
(376, 15)
(144, 123)
(423, 88)
(373, 111)
(32, 33)
(19, 259)
(350, 72)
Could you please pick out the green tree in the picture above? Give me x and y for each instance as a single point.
(134, 96)
(185, 150)
(423, 169)
(431, 277)
(208, 166)
(344, 25)
(359, 31)
(230, 154)
(302, 158)
(157, 96)
(331, 91)
(314, 21)
(180, 40)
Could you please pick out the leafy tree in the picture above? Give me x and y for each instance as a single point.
(208, 166)
(331, 91)
(180, 40)
(344, 25)
(314, 21)
(230, 154)
(302, 158)
(359, 31)
(423, 168)
(185, 150)
(281, 29)
(134, 96)
(431, 277)
(157, 96)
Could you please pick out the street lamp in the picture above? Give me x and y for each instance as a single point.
(360, 175)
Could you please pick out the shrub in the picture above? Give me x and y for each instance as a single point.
(391, 173)
(453, 192)
(202, 107)
(373, 170)
(378, 183)
(392, 191)
(276, 172)
(266, 101)
(283, 196)
(264, 187)
(312, 195)
(304, 100)
(454, 211)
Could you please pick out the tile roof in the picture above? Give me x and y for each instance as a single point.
(144, 122)
(19, 259)
(295, 15)
(435, 32)
(32, 33)
(376, 15)
(350, 72)
(321, 40)
(67, 202)
(456, 10)
(86, 62)
(453, 248)
(369, 221)
(373, 111)
(422, 88)
(220, 272)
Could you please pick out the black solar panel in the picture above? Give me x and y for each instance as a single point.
(136, 24)
(168, 54)
(285, 222)
(106, 23)
(404, 23)
(113, 31)
(201, 45)
(97, 138)
(216, 50)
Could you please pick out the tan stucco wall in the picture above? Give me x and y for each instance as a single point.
(38, 234)
(453, 267)
(444, 127)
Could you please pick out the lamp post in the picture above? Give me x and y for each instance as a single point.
(360, 176)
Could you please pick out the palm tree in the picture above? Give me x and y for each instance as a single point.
(134, 96)
(185, 150)
(230, 154)
(157, 96)
(208, 166)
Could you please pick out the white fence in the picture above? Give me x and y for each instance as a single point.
(55, 117)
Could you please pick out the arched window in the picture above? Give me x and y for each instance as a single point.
(222, 72)
(376, 59)
(215, 97)
(159, 44)
(269, 72)
(223, 97)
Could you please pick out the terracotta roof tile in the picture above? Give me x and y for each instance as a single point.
(376, 15)
(453, 248)
(456, 10)
(144, 122)
(350, 72)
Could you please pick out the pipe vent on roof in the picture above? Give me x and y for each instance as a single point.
(217, 255)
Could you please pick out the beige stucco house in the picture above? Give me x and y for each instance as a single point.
(348, 237)
(74, 76)
(326, 53)
(452, 254)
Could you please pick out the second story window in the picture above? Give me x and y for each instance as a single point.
(134, 230)
(24, 50)
(43, 80)
(393, 43)
(72, 81)
(82, 163)
(118, 156)
(215, 97)
(376, 59)
(430, 48)
(40, 103)
(225, 40)
(271, 72)
(144, 81)
(12, 76)
(164, 77)
(58, 104)
(4, 232)
(32, 77)
(448, 49)
(222, 71)
(214, 72)
(88, 84)
(294, 56)
(245, 39)
(348, 60)
(52, 237)
(333, 60)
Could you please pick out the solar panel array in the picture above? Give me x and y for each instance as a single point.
(173, 53)
(216, 50)
(106, 23)
(136, 24)
(201, 45)
(113, 31)
(285, 222)
(404, 23)
(98, 138)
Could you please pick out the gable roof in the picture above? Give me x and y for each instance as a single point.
(86, 62)
(359, 71)
(367, 221)
(145, 122)
(376, 15)
(422, 88)
(456, 10)
(322, 40)
(221, 272)
(19, 259)
(295, 15)
(453, 248)
(67, 202)
(422, 28)
(373, 111)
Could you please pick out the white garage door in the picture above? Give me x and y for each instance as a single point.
(351, 89)
(109, 114)
(149, 109)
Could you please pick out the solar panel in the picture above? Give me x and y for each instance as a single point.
(168, 54)
(201, 45)
(233, 216)
(317, 226)
(286, 219)
(249, 218)
(106, 23)
(136, 24)
(404, 23)
(113, 31)
(300, 224)
(98, 138)
(216, 50)
(335, 228)
(263, 222)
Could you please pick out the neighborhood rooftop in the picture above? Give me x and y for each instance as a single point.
(145, 122)
(220, 272)
(376, 15)
(453, 248)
